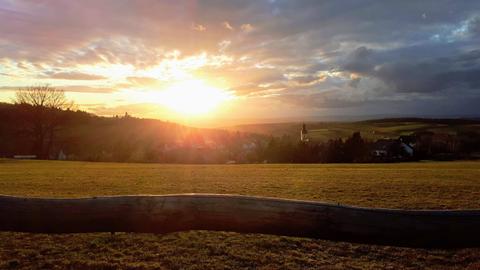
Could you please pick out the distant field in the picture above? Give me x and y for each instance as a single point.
(447, 185)
(373, 129)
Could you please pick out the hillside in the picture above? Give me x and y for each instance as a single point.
(370, 129)
(84, 136)
(77, 135)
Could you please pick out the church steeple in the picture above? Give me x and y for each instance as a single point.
(304, 133)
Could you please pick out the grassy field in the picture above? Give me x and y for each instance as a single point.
(448, 185)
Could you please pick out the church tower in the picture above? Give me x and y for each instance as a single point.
(304, 133)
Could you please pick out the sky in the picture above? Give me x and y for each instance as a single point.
(205, 62)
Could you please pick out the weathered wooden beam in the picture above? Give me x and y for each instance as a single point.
(244, 214)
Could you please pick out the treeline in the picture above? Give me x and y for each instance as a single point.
(42, 123)
(77, 135)
(283, 150)
(423, 145)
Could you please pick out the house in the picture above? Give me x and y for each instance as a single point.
(61, 155)
(407, 148)
(383, 148)
(408, 139)
(391, 149)
(249, 146)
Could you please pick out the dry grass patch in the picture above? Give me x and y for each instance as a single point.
(409, 185)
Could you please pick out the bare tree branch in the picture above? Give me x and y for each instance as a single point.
(44, 96)
(42, 105)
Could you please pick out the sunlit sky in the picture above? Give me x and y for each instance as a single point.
(234, 61)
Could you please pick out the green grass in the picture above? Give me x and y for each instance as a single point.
(448, 185)
(375, 132)
(379, 130)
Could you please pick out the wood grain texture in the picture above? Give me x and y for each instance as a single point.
(244, 214)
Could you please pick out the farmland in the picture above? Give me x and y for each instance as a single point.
(371, 129)
(448, 185)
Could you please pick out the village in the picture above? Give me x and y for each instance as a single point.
(233, 148)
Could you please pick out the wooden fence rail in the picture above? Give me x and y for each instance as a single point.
(244, 214)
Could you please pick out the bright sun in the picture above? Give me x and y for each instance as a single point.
(192, 97)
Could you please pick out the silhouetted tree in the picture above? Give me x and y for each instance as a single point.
(40, 107)
(355, 148)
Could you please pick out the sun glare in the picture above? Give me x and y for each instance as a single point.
(192, 97)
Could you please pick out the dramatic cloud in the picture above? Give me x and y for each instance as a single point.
(68, 88)
(199, 27)
(142, 80)
(426, 74)
(246, 27)
(72, 76)
(362, 57)
(227, 25)
(86, 89)
(474, 27)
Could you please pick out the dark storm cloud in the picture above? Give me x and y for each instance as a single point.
(328, 99)
(360, 60)
(474, 27)
(427, 74)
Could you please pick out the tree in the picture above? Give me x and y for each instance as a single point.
(355, 148)
(41, 106)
